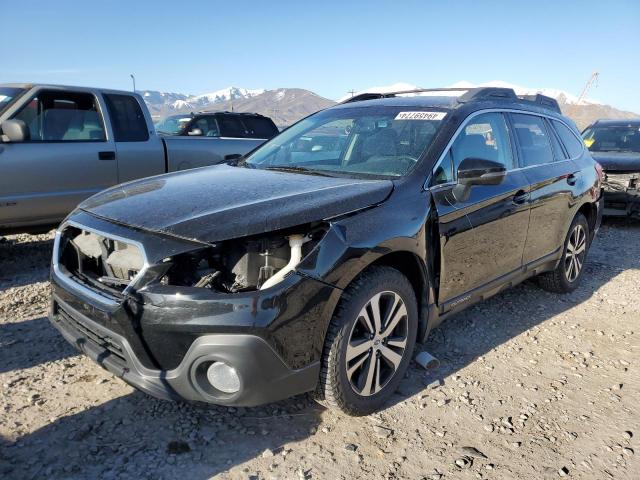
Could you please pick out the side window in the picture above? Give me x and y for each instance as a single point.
(260, 127)
(444, 171)
(63, 117)
(127, 119)
(533, 139)
(572, 144)
(231, 126)
(486, 136)
(557, 147)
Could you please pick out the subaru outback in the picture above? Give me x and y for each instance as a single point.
(318, 261)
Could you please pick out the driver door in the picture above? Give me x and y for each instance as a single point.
(482, 234)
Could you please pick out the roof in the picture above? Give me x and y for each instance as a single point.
(623, 122)
(454, 98)
(66, 87)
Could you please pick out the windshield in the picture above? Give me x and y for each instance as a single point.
(614, 138)
(8, 95)
(354, 142)
(173, 125)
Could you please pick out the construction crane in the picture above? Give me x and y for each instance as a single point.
(592, 79)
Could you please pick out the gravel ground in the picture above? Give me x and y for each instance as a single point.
(531, 386)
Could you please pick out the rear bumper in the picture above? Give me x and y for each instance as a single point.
(264, 377)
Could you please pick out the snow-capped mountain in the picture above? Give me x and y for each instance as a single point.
(162, 102)
(229, 93)
(283, 105)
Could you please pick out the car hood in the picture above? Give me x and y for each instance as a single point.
(618, 161)
(222, 202)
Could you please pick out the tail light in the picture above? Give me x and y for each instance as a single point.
(598, 186)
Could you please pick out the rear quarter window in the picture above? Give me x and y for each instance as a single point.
(127, 119)
(570, 141)
(260, 127)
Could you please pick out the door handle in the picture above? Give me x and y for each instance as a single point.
(572, 178)
(107, 155)
(521, 197)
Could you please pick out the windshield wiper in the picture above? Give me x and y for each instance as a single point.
(294, 169)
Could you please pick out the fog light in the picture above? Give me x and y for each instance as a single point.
(223, 377)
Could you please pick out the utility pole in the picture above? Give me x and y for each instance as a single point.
(352, 92)
(134, 82)
(592, 79)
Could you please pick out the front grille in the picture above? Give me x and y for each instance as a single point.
(100, 262)
(621, 182)
(101, 340)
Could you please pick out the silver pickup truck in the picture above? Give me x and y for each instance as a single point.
(60, 145)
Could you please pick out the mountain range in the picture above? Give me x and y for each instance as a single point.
(287, 105)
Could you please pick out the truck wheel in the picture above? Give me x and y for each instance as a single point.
(369, 342)
(567, 275)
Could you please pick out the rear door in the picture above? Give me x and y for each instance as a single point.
(139, 151)
(552, 176)
(67, 158)
(482, 236)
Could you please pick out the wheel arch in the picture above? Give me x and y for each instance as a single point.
(414, 269)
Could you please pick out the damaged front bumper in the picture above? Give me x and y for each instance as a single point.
(622, 194)
(162, 338)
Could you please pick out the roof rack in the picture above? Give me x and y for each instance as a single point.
(470, 94)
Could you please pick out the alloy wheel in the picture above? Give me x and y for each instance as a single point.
(377, 343)
(576, 251)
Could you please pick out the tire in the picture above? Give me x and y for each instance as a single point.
(564, 279)
(377, 361)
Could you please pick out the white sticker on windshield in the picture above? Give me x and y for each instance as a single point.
(420, 116)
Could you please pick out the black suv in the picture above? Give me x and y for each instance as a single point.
(615, 144)
(318, 261)
(218, 124)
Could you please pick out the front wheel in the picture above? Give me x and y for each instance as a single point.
(568, 274)
(369, 343)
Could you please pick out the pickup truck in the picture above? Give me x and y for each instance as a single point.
(60, 145)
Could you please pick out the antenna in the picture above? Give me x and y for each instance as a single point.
(352, 92)
(592, 79)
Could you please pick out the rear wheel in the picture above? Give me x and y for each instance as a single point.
(369, 342)
(568, 274)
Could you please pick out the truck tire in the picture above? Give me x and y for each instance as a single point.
(369, 343)
(568, 274)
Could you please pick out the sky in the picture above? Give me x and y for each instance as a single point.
(329, 47)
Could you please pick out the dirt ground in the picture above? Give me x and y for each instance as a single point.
(531, 386)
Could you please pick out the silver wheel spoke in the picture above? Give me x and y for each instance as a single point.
(371, 367)
(367, 321)
(390, 355)
(375, 310)
(393, 323)
(357, 365)
(353, 351)
(397, 342)
(377, 386)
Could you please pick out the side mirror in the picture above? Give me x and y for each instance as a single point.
(195, 132)
(15, 131)
(478, 171)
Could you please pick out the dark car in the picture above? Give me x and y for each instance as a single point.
(318, 261)
(615, 144)
(218, 124)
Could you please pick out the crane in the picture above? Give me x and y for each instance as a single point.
(592, 79)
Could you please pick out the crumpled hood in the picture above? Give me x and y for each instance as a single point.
(222, 202)
(618, 161)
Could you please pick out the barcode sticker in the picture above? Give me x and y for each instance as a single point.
(420, 116)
